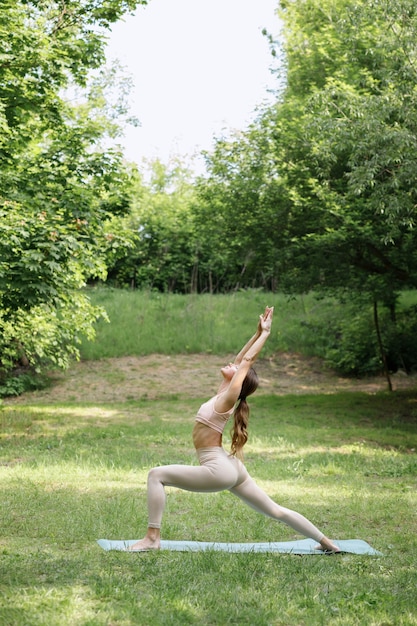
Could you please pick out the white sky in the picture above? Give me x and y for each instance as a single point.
(198, 67)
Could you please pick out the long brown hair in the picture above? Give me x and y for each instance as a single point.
(239, 432)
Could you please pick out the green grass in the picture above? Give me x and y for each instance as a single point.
(74, 473)
(144, 323)
(71, 474)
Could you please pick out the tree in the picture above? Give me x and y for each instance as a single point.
(351, 161)
(240, 213)
(331, 167)
(351, 72)
(59, 184)
(162, 220)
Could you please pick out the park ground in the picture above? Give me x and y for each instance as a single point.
(196, 375)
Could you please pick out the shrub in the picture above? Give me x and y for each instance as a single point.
(352, 346)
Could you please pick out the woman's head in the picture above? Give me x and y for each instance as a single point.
(228, 371)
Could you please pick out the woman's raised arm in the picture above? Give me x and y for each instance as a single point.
(230, 391)
(262, 318)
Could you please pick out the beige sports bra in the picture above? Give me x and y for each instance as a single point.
(210, 417)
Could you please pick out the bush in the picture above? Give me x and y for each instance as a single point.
(402, 341)
(352, 346)
(15, 385)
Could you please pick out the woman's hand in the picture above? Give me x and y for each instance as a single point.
(265, 320)
(264, 325)
(262, 317)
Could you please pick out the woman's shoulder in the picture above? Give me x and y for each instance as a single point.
(222, 403)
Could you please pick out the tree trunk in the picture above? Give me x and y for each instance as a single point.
(194, 278)
(381, 347)
(23, 359)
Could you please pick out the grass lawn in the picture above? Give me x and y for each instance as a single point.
(73, 473)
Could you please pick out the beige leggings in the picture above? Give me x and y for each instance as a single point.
(218, 471)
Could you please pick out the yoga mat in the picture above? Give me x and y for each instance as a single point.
(303, 546)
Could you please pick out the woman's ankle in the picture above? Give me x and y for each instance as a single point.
(154, 534)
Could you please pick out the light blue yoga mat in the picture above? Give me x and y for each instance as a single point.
(303, 546)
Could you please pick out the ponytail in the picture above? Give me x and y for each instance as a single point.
(239, 432)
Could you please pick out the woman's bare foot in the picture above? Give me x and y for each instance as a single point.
(327, 546)
(151, 541)
(143, 546)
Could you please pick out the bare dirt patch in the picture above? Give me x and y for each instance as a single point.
(195, 376)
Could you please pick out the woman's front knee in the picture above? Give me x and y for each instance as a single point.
(154, 475)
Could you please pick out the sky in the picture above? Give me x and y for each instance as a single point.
(199, 68)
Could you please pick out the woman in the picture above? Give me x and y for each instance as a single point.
(219, 470)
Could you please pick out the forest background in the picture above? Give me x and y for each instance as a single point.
(317, 195)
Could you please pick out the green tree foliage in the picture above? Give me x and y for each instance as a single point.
(328, 174)
(240, 214)
(59, 185)
(351, 75)
(161, 218)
